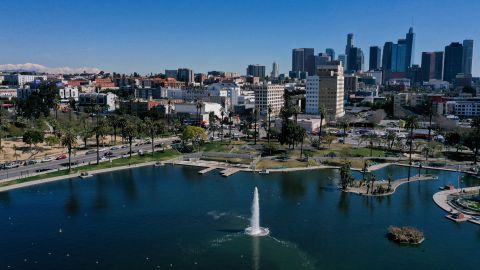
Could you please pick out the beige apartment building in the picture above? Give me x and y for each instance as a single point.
(326, 89)
(269, 94)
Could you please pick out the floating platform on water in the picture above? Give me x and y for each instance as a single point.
(206, 170)
(229, 171)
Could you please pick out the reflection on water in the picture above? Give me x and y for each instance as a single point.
(5, 198)
(255, 253)
(343, 204)
(72, 205)
(292, 188)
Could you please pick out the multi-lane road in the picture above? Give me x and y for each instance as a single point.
(79, 158)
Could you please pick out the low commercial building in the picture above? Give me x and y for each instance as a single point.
(21, 80)
(107, 101)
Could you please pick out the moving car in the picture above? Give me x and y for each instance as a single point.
(61, 157)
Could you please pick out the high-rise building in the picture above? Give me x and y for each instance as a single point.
(343, 60)
(185, 75)
(414, 73)
(467, 56)
(452, 64)
(432, 66)
(326, 89)
(269, 95)
(350, 43)
(322, 59)
(410, 48)
(303, 59)
(330, 52)
(399, 56)
(375, 58)
(256, 71)
(355, 60)
(275, 71)
(387, 56)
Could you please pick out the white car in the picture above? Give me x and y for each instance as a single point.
(47, 159)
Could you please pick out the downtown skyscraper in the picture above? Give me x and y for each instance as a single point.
(432, 66)
(303, 60)
(374, 62)
(452, 64)
(467, 58)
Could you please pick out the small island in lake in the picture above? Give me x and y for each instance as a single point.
(405, 235)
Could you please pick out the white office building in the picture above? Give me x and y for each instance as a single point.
(21, 80)
(326, 90)
(269, 95)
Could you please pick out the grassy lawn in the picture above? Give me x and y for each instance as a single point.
(158, 156)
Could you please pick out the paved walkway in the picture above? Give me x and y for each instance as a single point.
(441, 199)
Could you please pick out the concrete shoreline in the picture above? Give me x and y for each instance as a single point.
(195, 163)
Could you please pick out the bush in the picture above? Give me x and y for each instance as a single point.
(405, 235)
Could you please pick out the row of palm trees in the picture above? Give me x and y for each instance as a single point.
(129, 127)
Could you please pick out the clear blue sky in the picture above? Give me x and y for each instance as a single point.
(149, 36)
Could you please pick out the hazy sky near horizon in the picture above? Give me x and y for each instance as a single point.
(151, 36)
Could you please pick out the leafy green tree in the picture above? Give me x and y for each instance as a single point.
(193, 134)
(52, 140)
(391, 137)
(33, 136)
(69, 140)
(212, 119)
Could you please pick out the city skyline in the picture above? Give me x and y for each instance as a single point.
(114, 38)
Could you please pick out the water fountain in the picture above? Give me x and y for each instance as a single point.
(255, 229)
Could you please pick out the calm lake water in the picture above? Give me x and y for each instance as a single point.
(173, 218)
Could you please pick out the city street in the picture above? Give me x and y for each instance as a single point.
(80, 158)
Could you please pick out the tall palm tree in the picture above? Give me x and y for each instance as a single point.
(211, 122)
(295, 112)
(222, 113)
(112, 120)
(72, 104)
(430, 113)
(344, 124)
(130, 131)
(300, 137)
(230, 123)
(199, 106)
(153, 128)
(411, 123)
(255, 119)
(69, 140)
(99, 130)
(323, 113)
(269, 111)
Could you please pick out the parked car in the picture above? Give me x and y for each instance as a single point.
(108, 154)
(114, 148)
(47, 159)
(90, 152)
(30, 162)
(61, 157)
(11, 165)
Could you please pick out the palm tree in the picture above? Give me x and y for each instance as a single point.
(69, 140)
(255, 119)
(211, 121)
(130, 131)
(113, 122)
(430, 113)
(72, 103)
(230, 123)
(222, 113)
(269, 111)
(154, 128)
(300, 137)
(344, 124)
(99, 130)
(411, 122)
(295, 112)
(323, 112)
(199, 106)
